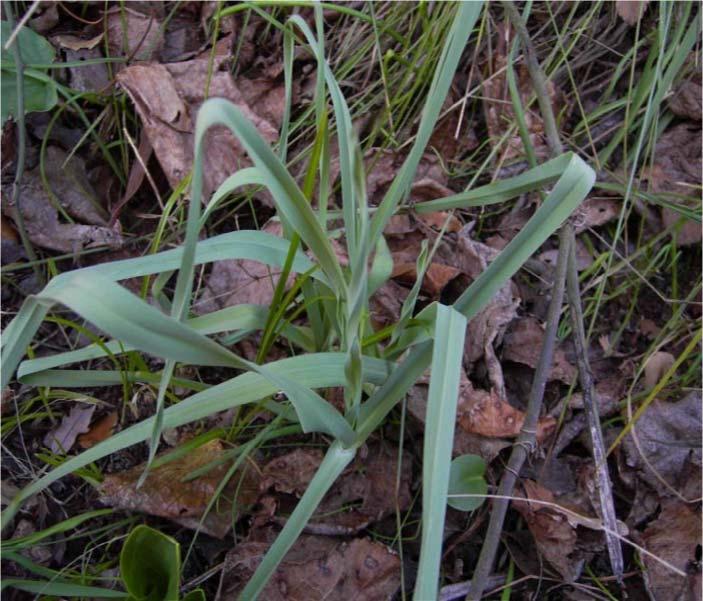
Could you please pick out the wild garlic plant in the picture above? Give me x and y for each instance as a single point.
(333, 342)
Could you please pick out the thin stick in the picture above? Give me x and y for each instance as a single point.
(526, 440)
(600, 455)
(585, 378)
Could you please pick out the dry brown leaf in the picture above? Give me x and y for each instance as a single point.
(164, 493)
(363, 494)
(464, 442)
(168, 97)
(631, 11)
(657, 365)
(686, 100)
(523, 344)
(596, 211)
(405, 235)
(437, 276)
(47, 18)
(669, 436)
(133, 34)
(317, 569)
(386, 304)
(240, 281)
(76, 196)
(486, 413)
(73, 42)
(554, 535)
(99, 431)
(673, 537)
(448, 140)
(677, 170)
(62, 438)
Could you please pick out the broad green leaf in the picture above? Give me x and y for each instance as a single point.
(39, 94)
(466, 478)
(440, 420)
(150, 565)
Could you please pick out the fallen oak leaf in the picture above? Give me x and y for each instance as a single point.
(166, 491)
(486, 413)
(522, 343)
(99, 431)
(62, 438)
(673, 537)
(317, 568)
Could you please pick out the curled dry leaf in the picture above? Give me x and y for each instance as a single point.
(240, 281)
(166, 493)
(668, 436)
(523, 344)
(554, 535)
(99, 431)
(317, 569)
(168, 97)
(655, 368)
(71, 187)
(488, 414)
(631, 11)
(673, 537)
(405, 234)
(62, 438)
(677, 171)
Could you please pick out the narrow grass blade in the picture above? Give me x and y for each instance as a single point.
(321, 370)
(464, 21)
(289, 199)
(450, 328)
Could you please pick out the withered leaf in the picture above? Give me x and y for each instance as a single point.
(168, 97)
(240, 281)
(363, 494)
(133, 34)
(488, 414)
(317, 569)
(166, 493)
(99, 431)
(554, 535)
(669, 435)
(76, 196)
(686, 101)
(678, 162)
(62, 438)
(673, 537)
(523, 344)
(631, 11)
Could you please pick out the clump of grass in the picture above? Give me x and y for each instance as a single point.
(335, 300)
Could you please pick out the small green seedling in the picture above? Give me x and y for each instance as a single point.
(466, 478)
(150, 565)
(39, 89)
